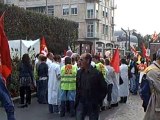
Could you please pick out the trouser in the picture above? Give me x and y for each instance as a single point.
(63, 108)
(84, 109)
(137, 81)
(6, 100)
(42, 91)
(67, 96)
(123, 99)
(25, 90)
(133, 86)
(53, 108)
(109, 96)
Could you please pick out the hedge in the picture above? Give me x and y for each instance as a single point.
(23, 24)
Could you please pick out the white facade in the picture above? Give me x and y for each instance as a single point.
(95, 17)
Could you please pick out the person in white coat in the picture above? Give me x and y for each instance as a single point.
(124, 87)
(109, 79)
(54, 87)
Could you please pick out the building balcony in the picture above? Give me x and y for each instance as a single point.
(92, 0)
(94, 18)
(114, 7)
(90, 36)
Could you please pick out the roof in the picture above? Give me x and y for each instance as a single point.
(121, 36)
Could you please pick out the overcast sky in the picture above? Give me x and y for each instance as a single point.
(142, 15)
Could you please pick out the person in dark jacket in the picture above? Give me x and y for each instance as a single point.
(5, 98)
(26, 80)
(43, 80)
(90, 89)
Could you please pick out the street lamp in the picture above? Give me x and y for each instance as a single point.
(129, 39)
(126, 36)
(46, 7)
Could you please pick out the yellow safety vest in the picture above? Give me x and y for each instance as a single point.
(101, 68)
(68, 77)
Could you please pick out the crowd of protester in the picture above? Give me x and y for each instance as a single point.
(87, 84)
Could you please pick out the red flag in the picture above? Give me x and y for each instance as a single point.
(5, 59)
(134, 51)
(144, 52)
(115, 61)
(43, 47)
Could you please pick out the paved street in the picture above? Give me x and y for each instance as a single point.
(130, 111)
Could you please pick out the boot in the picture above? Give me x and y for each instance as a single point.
(109, 105)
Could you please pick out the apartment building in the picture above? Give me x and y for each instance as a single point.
(95, 18)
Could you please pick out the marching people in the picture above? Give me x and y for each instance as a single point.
(99, 65)
(5, 98)
(153, 76)
(50, 57)
(58, 60)
(124, 87)
(133, 72)
(42, 80)
(26, 80)
(68, 87)
(54, 87)
(109, 79)
(91, 89)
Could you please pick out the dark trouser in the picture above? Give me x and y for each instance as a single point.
(42, 91)
(6, 101)
(84, 109)
(133, 83)
(137, 82)
(25, 90)
(109, 97)
(63, 108)
(53, 108)
(123, 99)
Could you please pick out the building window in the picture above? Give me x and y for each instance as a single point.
(90, 29)
(50, 10)
(107, 30)
(40, 9)
(74, 9)
(65, 9)
(106, 12)
(99, 45)
(90, 10)
(103, 29)
(103, 12)
(90, 13)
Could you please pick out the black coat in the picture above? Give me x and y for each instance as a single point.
(98, 86)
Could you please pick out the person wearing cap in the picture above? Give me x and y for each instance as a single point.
(153, 76)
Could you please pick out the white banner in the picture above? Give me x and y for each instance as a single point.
(20, 47)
